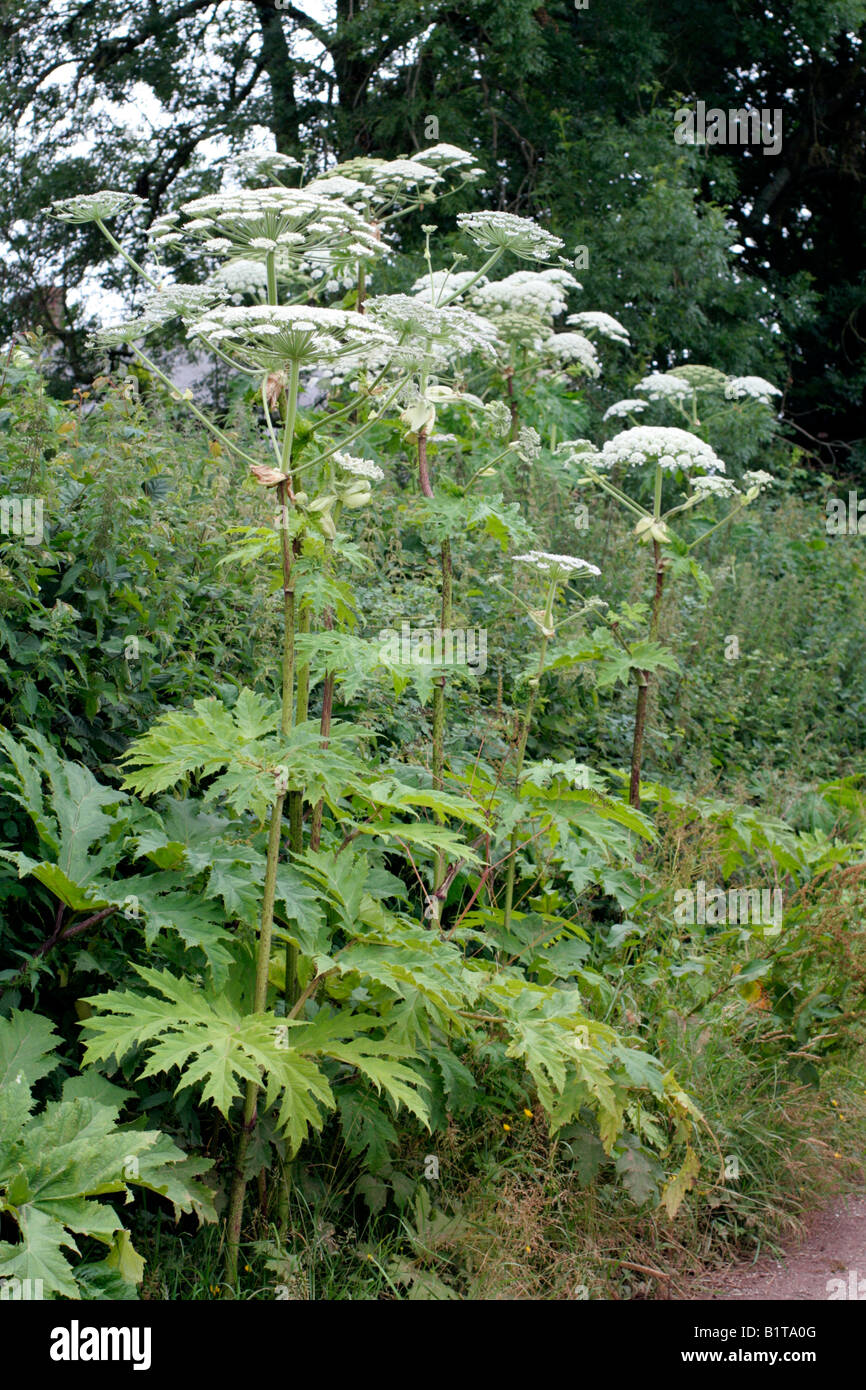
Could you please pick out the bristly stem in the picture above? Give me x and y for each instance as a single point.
(263, 956)
(644, 686)
(521, 754)
(439, 699)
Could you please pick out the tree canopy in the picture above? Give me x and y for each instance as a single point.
(724, 252)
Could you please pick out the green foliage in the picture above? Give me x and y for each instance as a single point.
(57, 1159)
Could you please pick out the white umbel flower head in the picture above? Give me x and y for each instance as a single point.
(754, 386)
(160, 306)
(540, 294)
(546, 563)
(383, 182)
(269, 336)
(269, 166)
(361, 468)
(664, 388)
(603, 324)
(572, 349)
(446, 157)
(88, 207)
(255, 222)
(620, 409)
(495, 230)
(428, 333)
(672, 449)
(241, 277)
(338, 186)
(712, 485)
(759, 479)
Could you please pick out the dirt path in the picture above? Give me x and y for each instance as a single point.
(832, 1249)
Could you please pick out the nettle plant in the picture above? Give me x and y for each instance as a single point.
(334, 991)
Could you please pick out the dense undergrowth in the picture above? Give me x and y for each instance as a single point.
(489, 1054)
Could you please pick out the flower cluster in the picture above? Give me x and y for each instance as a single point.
(605, 325)
(159, 307)
(660, 387)
(758, 478)
(699, 377)
(754, 386)
(450, 157)
(430, 335)
(268, 336)
(380, 185)
(361, 468)
(505, 231)
(543, 561)
(572, 348)
(715, 486)
(292, 224)
(92, 207)
(620, 409)
(269, 166)
(377, 184)
(540, 294)
(672, 449)
(240, 277)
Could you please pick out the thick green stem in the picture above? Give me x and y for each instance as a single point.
(271, 271)
(439, 698)
(521, 754)
(644, 686)
(263, 956)
(296, 807)
(239, 1181)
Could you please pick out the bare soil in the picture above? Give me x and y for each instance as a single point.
(833, 1247)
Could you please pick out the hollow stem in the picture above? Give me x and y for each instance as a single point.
(263, 955)
(644, 686)
(521, 754)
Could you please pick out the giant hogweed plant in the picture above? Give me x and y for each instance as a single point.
(363, 989)
(650, 455)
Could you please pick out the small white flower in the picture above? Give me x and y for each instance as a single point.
(295, 222)
(754, 386)
(87, 207)
(713, 485)
(664, 388)
(573, 348)
(159, 307)
(430, 334)
(492, 230)
(445, 156)
(620, 409)
(539, 294)
(268, 336)
(545, 562)
(241, 277)
(672, 449)
(362, 468)
(604, 324)
(758, 478)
